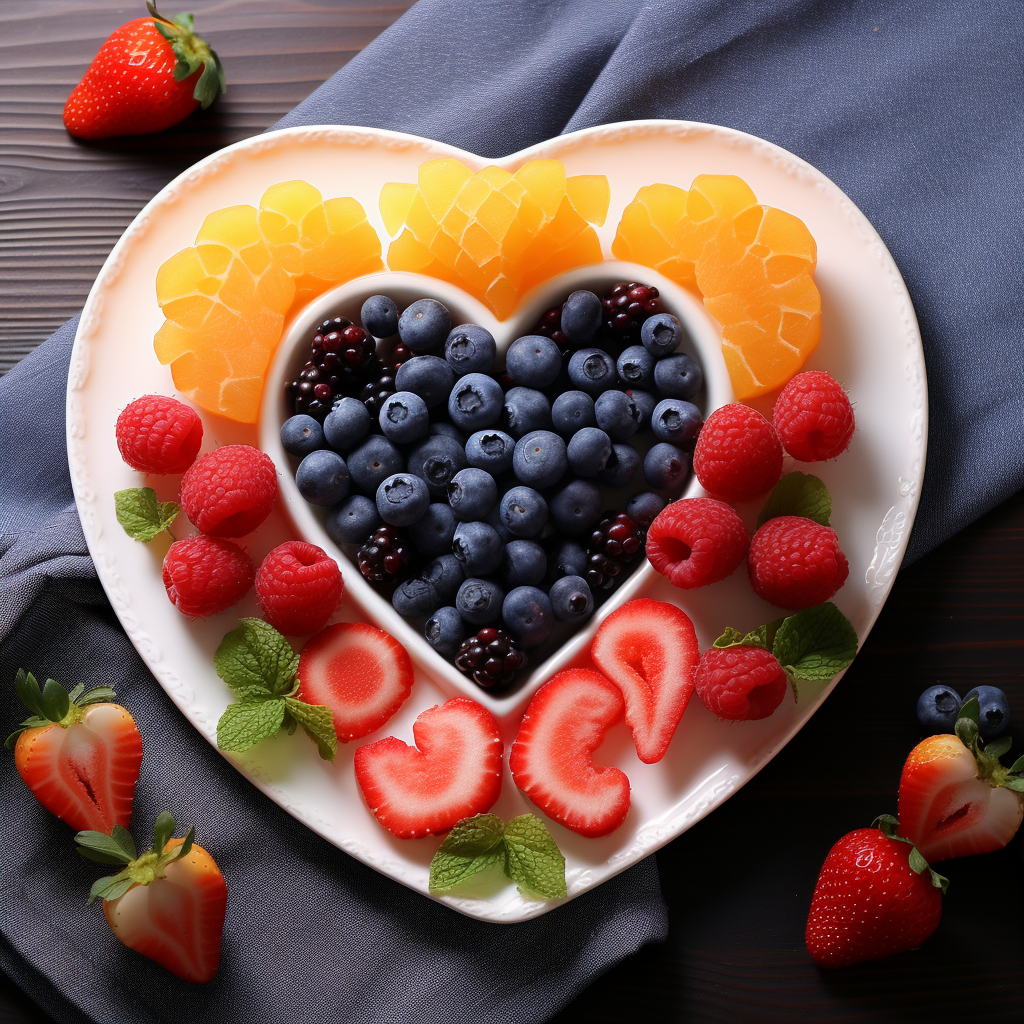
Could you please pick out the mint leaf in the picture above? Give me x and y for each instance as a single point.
(474, 845)
(814, 645)
(256, 655)
(763, 636)
(798, 494)
(318, 722)
(532, 857)
(141, 515)
(244, 725)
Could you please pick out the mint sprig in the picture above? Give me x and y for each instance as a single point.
(798, 494)
(260, 666)
(524, 848)
(813, 645)
(142, 516)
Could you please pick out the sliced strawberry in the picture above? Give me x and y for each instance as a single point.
(361, 673)
(552, 759)
(454, 770)
(649, 649)
(954, 800)
(78, 754)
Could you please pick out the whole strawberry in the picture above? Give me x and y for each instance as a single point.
(149, 74)
(876, 896)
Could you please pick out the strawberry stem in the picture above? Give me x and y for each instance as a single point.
(193, 53)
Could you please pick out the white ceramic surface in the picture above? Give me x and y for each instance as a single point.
(870, 342)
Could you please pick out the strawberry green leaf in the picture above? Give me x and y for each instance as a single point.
(186, 846)
(967, 732)
(97, 695)
(163, 829)
(318, 722)
(243, 725)
(256, 655)
(971, 709)
(110, 887)
(532, 858)
(996, 748)
(104, 849)
(55, 701)
(474, 845)
(141, 515)
(27, 689)
(814, 645)
(798, 494)
(1015, 783)
(1017, 767)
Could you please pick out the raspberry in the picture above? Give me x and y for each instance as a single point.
(737, 455)
(229, 491)
(813, 417)
(204, 575)
(796, 563)
(740, 683)
(156, 434)
(697, 541)
(298, 587)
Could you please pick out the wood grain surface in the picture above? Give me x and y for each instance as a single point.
(738, 884)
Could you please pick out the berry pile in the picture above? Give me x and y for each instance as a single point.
(496, 503)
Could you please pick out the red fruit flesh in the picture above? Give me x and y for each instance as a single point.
(361, 673)
(454, 771)
(737, 455)
(649, 650)
(156, 434)
(697, 541)
(298, 587)
(813, 417)
(229, 491)
(740, 683)
(86, 773)
(552, 759)
(205, 575)
(796, 563)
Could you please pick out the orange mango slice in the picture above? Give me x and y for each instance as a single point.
(493, 233)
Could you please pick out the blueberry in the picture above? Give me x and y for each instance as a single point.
(373, 461)
(582, 313)
(472, 493)
(476, 402)
(622, 466)
(635, 367)
(576, 508)
(478, 548)
(678, 376)
(525, 564)
(588, 451)
(479, 601)
(678, 422)
(661, 334)
(415, 598)
(533, 361)
(424, 325)
(470, 349)
(380, 316)
(527, 615)
(526, 409)
(436, 461)
(347, 424)
(592, 370)
(323, 478)
(490, 450)
(445, 575)
(666, 467)
(646, 403)
(439, 428)
(571, 599)
(523, 511)
(430, 377)
(404, 417)
(445, 631)
(642, 508)
(301, 434)
(938, 709)
(572, 411)
(435, 530)
(540, 458)
(494, 519)
(567, 559)
(353, 521)
(617, 415)
(995, 711)
(402, 499)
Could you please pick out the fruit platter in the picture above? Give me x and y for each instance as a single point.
(498, 519)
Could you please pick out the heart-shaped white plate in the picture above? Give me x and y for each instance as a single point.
(870, 342)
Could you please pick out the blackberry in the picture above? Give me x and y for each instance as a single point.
(626, 306)
(491, 658)
(550, 326)
(615, 543)
(384, 555)
(341, 360)
(401, 353)
(376, 392)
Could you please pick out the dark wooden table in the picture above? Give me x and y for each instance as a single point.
(737, 885)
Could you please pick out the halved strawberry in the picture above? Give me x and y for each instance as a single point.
(454, 770)
(956, 798)
(167, 904)
(649, 649)
(361, 673)
(552, 759)
(78, 753)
